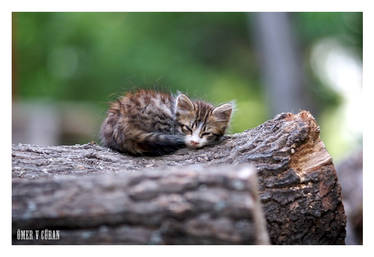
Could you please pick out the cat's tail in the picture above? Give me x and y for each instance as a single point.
(137, 141)
(155, 143)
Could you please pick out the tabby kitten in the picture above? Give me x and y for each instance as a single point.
(148, 122)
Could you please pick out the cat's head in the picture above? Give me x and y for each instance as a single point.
(202, 123)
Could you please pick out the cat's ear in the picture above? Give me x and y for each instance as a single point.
(223, 112)
(184, 103)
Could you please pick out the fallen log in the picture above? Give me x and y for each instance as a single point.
(298, 187)
(210, 206)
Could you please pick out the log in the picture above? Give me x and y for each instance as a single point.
(198, 205)
(298, 187)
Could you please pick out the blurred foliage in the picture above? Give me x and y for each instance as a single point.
(346, 27)
(96, 57)
(311, 27)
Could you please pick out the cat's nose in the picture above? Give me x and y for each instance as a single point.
(194, 143)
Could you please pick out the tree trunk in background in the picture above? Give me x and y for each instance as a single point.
(350, 176)
(282, 65)
(63, 187)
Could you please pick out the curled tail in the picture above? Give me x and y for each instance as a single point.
(155, 143)
(119, 134)
(139, 142)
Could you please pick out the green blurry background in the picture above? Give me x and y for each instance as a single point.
(68, 66)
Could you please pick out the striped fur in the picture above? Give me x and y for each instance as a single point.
(148, 122)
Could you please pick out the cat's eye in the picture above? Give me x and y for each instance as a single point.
(206, 134)
(186, 129)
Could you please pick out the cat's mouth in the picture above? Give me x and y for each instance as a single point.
(194, 144)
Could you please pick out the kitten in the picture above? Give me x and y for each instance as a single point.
(148, 122)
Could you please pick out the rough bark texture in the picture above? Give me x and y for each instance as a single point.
(210, 206)
(299, 192)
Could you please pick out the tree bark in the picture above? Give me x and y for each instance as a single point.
(189, 206)
(298, 188)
